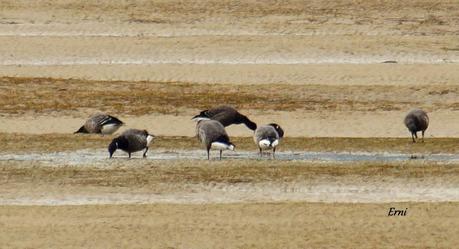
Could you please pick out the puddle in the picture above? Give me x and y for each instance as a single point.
(80, 157)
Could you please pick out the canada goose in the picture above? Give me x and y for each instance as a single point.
(417, 120)
(131, 140)
(101, 123)
(212, 135)
(267, 137)
(226, 115)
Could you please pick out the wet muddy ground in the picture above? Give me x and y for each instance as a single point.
(185, 177)
(100, 156)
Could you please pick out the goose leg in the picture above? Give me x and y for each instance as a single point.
(129, 154)
(208, 156)
(220, 154)
(145, 153)
(423, 135)
(412, 136)
(274, 153)
(261, 153)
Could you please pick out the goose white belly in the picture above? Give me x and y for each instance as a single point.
(109, 128)
(266, 144)
(149, 139)
(221, 146)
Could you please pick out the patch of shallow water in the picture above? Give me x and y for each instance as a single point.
(100, 156)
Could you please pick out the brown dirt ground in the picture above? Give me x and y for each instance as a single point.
(420, 17)
(286, 225)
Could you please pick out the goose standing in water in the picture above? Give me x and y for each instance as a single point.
(101, 123)
(226, 115)
(416, 120)
(267, 137)
(131, 140)
(212, 135)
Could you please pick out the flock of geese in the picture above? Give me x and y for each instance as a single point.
(210, 131)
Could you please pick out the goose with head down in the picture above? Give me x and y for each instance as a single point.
(226, 115)
(267, 137)
(416, 120)
(131, 140)
(212, 135)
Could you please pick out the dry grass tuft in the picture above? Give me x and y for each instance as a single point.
(48, 95)
(143, 173)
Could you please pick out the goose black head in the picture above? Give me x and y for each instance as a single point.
(81, 130)
(117, 143)
(251, 125)
(279, 130)
(112, 147)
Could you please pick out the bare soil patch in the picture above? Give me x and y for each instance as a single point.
(293, 225)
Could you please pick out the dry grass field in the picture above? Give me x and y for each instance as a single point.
(338, 76)
(47, 95)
